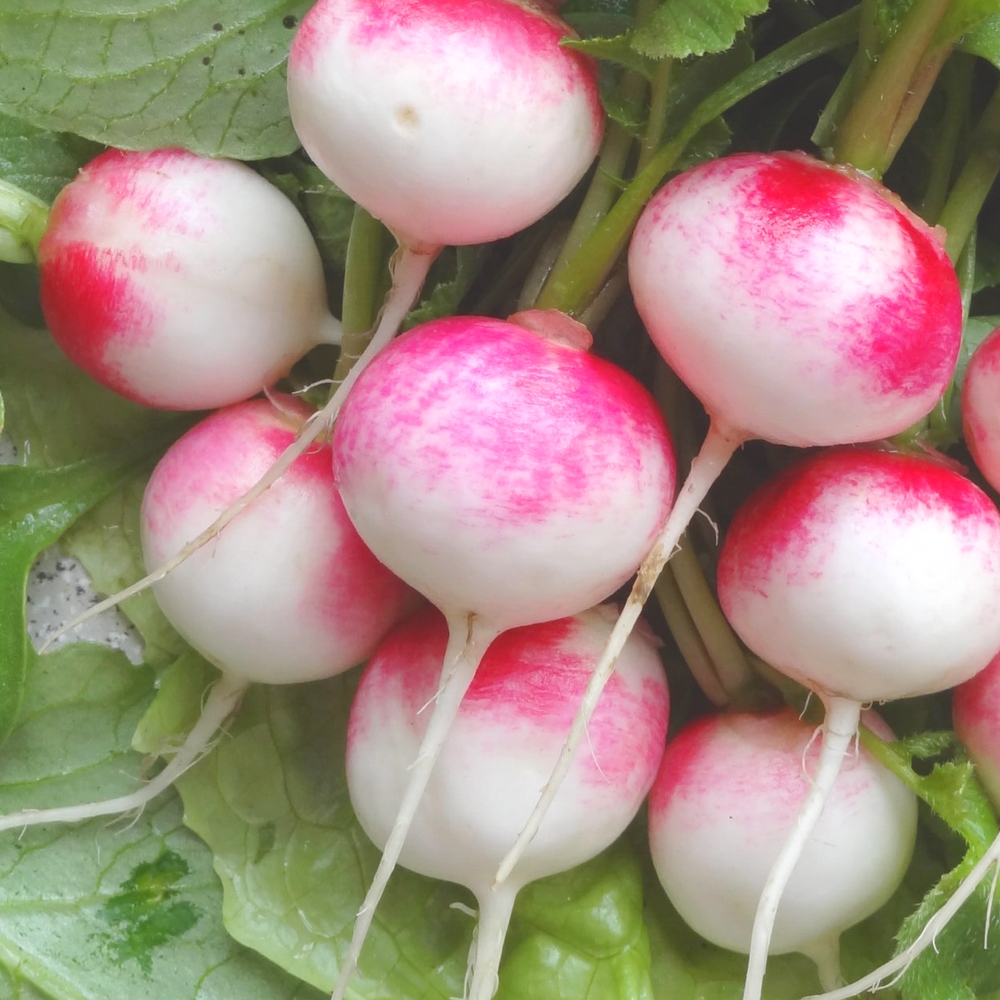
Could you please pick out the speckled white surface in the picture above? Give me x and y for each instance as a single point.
(59, 590)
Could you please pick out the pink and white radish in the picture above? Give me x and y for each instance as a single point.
(503, 741)
(981, 408)
(802, 303)
(179, 281)
(867, 576)
(510, 477)
(726, 794)
(287, 593)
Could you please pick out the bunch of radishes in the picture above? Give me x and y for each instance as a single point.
(515, 481)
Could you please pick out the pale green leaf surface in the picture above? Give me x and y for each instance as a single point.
(682, 28)
(108, 911)
(205, 74)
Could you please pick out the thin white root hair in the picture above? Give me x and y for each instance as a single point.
(468, 639)
(839, 726)
(409, 270)
(716, 451)
(222, 701)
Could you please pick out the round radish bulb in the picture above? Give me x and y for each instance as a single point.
(452, 123)
(976, 714)
(181, 282)
(288, 592)
(866, 574)
(503, 472)
(801, 302)
(503, 743)
(510, 477)
(728, 790)
(980, 409)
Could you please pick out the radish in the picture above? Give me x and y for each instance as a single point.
(802, 303)
(179, 281)
(980, 413)
(287, 593)
(510, 477)
(728, 790)
(865, 575)
(504, 740)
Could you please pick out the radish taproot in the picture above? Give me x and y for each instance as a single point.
(726, 794)
(802, 303)
(179, 281)
(502, 743)
(865, 575)
(287, 593)
(509, 476)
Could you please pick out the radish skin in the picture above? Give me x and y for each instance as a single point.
(179, 281)
(727, 791)
(504, 739)
(980, 412)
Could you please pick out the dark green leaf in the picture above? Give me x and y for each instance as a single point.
(617, 49)
(207, 74)
(682, 28)
(450, 278)
(984, 41)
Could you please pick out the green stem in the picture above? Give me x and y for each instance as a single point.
(587, 269)
(659, 94)
(365, 277)
(974, 182)
(23, 219)
(865, 134)
(956, 80)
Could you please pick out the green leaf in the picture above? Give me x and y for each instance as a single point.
(41, 162)
(99, 911)
(617, 49)
(580, 935)
(965, 16)
(682, 28)
(984, 41)
(207, 74)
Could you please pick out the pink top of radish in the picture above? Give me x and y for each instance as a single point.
(500, 473)
(507, 735)
(288, 591)
(867, 574)
(452, 121)
(179, 281)
(980, 412)
(801, 303)
(729, 789)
